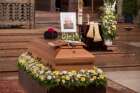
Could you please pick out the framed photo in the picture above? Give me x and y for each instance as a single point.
(68, 21)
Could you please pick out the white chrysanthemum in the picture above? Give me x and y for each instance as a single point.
(99, 71)
(63, 81)
(49, 77)
(41, 72)
(64, 72)
(82, 70)
(49, 72)
(79, 75)
(54, 76)
(67, 78)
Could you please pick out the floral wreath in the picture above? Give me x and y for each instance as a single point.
(52, 78)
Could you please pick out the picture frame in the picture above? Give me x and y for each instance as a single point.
(68, 22)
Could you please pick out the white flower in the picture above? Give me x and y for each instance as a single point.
(63, 81)
(99, 71)
(79, 75)
(54, 76)
(24, 54)
(64, 72)
(41, 72)
(49, 72)
(82, 70)
(49, 77)
(67, 78)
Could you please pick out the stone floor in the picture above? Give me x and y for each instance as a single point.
(135, 44)
(13, 86)
(129, 79)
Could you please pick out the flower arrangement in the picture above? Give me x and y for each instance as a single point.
(51, 78)
(109, 20)
(70, 36)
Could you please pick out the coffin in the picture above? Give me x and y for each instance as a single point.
(59, 56)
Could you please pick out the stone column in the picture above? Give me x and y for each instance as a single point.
(73, 5)
(137, 18)
(92, 6)
(52, 5)
(80, 12)
(119, 9)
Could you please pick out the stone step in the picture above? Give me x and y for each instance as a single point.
(8, 64)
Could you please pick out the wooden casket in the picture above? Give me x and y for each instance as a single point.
(59, 56)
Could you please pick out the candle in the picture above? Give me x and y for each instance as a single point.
(80, 12)
(88, 19)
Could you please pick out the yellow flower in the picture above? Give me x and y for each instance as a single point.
(63, 77)
(78, 75)
(83, 79)
(22, 61)
(40, 65)
(70, 73)
(114, 27)
(73, 72)
(56, 73)
(93, 71)
(101, 76)
(63, 81)
(67, 78)
(94, 77)
(42, 77)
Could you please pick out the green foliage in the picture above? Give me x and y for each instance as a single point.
(71, 36)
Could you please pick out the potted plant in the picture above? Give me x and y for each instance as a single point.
(109, 21)
(130, 10)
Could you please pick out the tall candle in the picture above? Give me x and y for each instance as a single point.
(88, 18)
(80, 12)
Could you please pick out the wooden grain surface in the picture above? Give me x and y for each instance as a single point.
(61, 58)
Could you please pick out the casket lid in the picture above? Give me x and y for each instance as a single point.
(60, 56)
